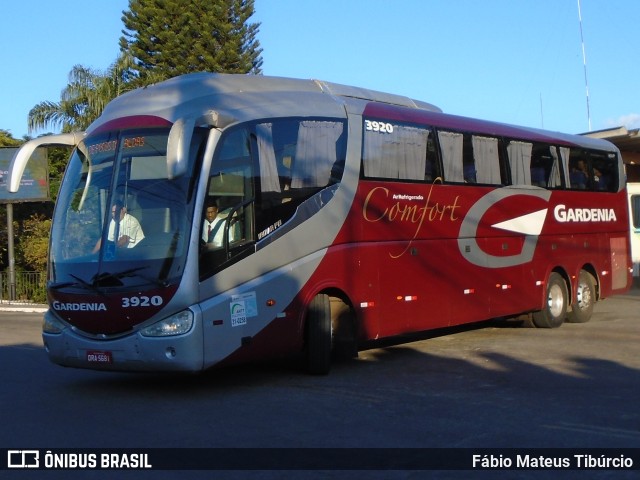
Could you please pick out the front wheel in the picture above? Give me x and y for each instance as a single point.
(585, 299)
(555, 309)
(318, 333)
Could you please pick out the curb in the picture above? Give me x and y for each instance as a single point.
(23, 307)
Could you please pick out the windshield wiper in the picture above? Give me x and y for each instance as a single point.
(107, 279)
(89, 286)
(56, 286)
(131, 272)
(79, 283)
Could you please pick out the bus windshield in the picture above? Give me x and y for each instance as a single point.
(120, 221)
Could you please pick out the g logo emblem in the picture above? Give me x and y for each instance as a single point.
(530, 225)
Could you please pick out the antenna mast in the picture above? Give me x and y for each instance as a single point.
(584, 62)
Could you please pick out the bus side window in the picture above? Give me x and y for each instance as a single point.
(519, 154)
(296, 159)
(231, 191)
(471, 158)
(432, 166)
(594, 171)
(396, 151)
(486, 157)
(316, 154)
(539, 159)
(545, 166)
(553, 167)
(578, 172)
(451, 145)
(604, 172)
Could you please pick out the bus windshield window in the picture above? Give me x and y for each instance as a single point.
(117, 208)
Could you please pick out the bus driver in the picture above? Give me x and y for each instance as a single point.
(129, 230)
(213, 227)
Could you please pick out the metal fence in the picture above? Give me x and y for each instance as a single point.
(30, 287)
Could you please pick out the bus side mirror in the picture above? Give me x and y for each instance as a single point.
(22, 156)
(178, 147)
(180, 136)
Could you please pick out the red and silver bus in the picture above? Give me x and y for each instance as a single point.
(341, 215)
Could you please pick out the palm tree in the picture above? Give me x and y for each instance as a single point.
(84, 99)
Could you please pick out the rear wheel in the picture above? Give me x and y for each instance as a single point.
(318, 330)
(585, 299)
(555, 309)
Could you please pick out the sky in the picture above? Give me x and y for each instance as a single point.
(512, 61)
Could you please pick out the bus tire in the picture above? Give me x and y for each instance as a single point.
(585, 299)
(555, 309)
(319, 335)
(344, 345)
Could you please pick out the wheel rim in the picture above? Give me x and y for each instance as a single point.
(583, 296)
(556, 300)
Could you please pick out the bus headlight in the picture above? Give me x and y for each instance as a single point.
(174, 325)
(51, 324)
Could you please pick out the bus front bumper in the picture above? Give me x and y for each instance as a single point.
(134, 352)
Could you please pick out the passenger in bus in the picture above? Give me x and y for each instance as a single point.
(578, 175)
(213, 227)
(129, 230)
(601, 182)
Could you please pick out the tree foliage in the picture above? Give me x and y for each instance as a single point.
(34, 242)
(171, 37)
(7, 140)
(58, 159)
(84, 98)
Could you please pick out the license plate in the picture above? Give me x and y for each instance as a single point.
(94, 356)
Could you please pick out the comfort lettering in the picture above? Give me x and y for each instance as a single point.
(400, 210)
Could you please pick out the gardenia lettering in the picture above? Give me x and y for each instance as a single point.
(79, 307)
(564, 214)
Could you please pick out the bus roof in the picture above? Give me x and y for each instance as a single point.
(233, 98)
(240, 97)
(497, 129)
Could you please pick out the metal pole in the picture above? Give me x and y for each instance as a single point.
(584, 62)
(12, 260)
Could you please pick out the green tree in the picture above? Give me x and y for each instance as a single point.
(7, 140)
(58, 159)
(172, 37)
(84, 98)
(34, 242)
